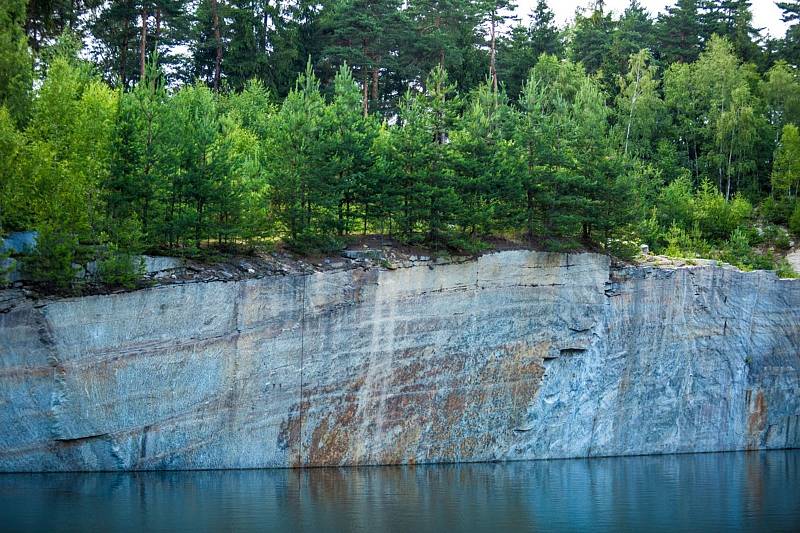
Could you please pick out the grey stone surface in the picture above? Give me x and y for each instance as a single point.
(19, 241)
(794, 260)
(155, 264)
(516, 355)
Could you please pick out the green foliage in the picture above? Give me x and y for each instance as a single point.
(120, 268)
(16, 63)
(419, 156)
(598, 151)
(120, 262)
(794, 220)
(295, 158)
(738, 252)
(678, 33)
(786, 168)
(640, 109)
(521, 49)
(686, 244)
(718, 218)
(784, 270)
(775, 237)
(52, 262)
(6, 265)
(676, 203)
(776, 210)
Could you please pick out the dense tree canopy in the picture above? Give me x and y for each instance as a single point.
(190, 125)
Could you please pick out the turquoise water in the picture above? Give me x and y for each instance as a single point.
(758, 491)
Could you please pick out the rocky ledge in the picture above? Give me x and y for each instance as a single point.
(514, 355)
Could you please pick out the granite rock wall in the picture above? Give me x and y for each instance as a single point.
(515, 355)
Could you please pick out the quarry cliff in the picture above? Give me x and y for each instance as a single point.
(513, 355)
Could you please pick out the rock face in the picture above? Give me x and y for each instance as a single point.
(516, 355)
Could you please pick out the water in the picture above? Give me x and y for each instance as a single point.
(757, 491)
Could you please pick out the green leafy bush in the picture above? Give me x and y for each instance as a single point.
(784, 270)
(776, 237)
(794, 220)
(776, 211)
(52, 261)
(676, 203)
(4, 268)
(120, 268)
(686, 244)
(717, 217)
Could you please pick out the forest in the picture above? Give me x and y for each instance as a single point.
(184, 127)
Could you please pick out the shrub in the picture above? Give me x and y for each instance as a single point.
(776, 211)
(120, 268)
(794, 220)
(737, 248)
(682, 243)
(6, 265)
(719, 218)
(650, 232)
(784, 270)
(776, 237)
(51, 262)
(676, 203)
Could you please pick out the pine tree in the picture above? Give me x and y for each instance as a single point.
(542, 161)
(633, 33)
(115, 37)
(678, 33)
(296, 164)
(416, 160)
(349, 135)
(194, 127)
(402, 155)
(364, 34)
(245, 56)
(522, 48)
(141, 161)
(544, 34)
(790, 49)
(439, 24)
(592, 39)
(475, 149)
(46, 20)
(494, 14)
(16, 65)
(732, 19)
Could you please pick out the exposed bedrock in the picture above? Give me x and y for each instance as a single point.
(516, 355)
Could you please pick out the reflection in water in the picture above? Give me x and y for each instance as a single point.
(732, 492)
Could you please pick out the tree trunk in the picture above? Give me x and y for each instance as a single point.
(365, 99)
(123, 54)
(218, 39)
(633, 104)
(438, 25)
(143, 43)
(265, 30)
(493, 56)
(158, 29)
(375, 75)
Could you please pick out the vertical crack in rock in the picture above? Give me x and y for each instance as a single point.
(301, 395)
(59, 394)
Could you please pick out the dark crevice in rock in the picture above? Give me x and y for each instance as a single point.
(571, 351)
(67, 440)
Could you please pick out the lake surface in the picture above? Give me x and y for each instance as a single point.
(757, 491)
